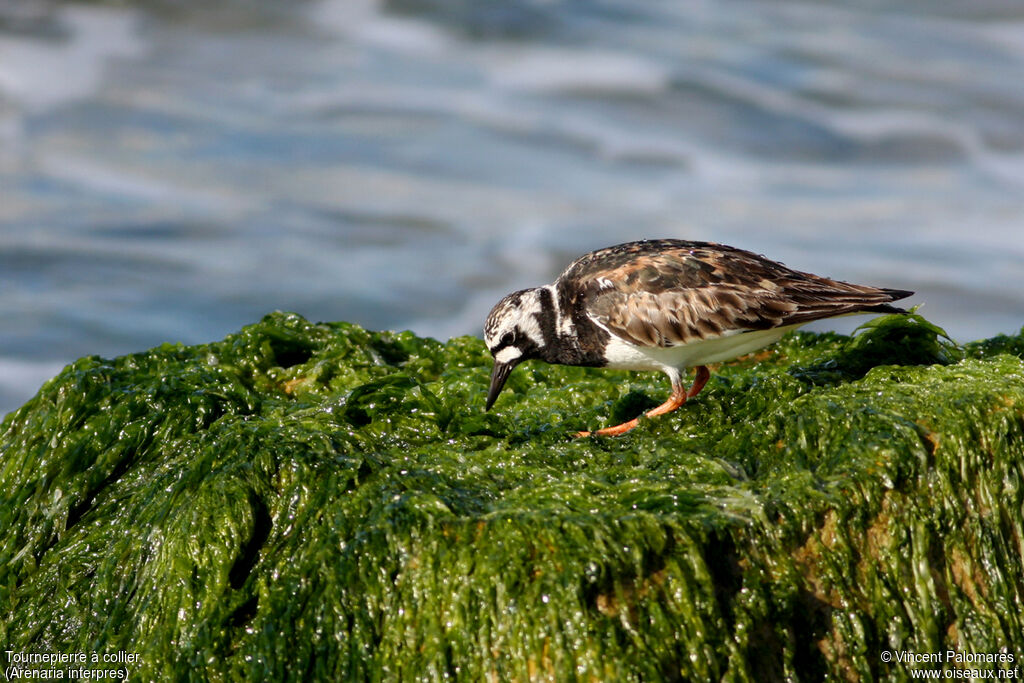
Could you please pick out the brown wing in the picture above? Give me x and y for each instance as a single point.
(669, 292)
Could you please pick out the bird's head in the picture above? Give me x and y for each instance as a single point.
(512, 333)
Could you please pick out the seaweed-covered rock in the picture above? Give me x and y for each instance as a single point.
(318, 502)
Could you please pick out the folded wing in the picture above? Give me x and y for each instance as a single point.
(674, 292)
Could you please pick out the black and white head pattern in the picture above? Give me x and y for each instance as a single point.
(513, 329)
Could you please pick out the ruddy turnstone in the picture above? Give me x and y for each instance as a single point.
(665, 305)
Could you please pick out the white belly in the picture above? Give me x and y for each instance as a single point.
(624, 356)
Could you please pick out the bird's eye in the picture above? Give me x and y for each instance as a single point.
(507, 339)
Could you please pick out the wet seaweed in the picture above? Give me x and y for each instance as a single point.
(316, 501)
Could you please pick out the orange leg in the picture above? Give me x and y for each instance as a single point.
(678, 398)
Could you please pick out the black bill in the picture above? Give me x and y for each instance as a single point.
(499, 374)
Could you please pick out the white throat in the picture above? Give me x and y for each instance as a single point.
(507, 355)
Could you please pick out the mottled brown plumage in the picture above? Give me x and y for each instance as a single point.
(672, 292)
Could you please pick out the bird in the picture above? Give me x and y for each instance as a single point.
(668, 305)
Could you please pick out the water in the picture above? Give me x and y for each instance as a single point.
(173, 173)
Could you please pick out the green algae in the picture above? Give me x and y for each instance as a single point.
(318, 502)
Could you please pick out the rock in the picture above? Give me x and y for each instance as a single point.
(318, 502)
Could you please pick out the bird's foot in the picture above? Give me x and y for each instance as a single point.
(611, 431)
(678, 398)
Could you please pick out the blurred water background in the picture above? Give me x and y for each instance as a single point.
(172, 170)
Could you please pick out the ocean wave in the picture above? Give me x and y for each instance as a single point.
(43, 72)
(20, 378)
